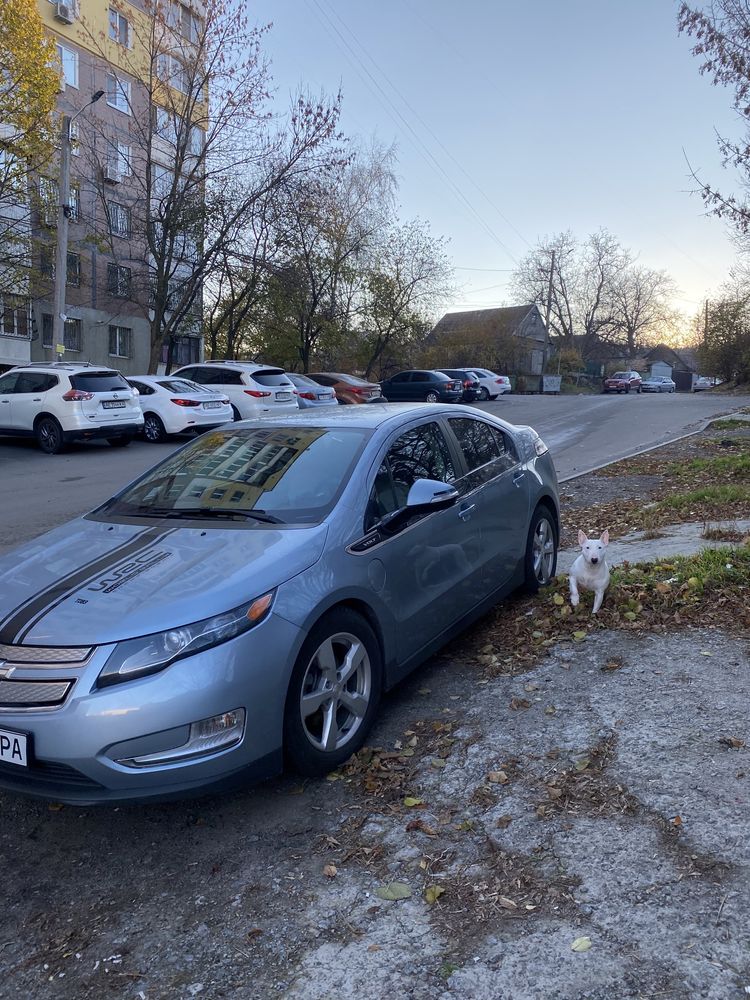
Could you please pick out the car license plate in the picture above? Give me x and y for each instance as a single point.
(113, 404)
(13, 748)
(211, 406)
(283, 395)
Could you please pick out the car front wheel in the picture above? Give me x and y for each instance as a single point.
(334, 693)
(49, 436)
(541, 551)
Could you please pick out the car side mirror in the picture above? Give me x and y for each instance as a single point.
(430, 494)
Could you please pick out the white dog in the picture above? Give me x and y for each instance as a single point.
(590, 569)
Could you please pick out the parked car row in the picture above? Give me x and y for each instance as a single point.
(59, 402)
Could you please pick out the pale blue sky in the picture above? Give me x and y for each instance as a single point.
(514, 120)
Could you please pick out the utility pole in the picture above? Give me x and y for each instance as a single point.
(63, 214)
(61, 250)
(549, 305)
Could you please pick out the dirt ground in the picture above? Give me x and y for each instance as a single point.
(575, 831)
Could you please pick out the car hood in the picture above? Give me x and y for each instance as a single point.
(91, 582)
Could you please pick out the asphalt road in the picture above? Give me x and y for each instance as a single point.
(39, 491)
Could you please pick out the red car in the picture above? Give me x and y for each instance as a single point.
(622, 382)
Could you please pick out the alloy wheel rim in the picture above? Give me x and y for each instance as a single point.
(543, 551)
(151, 429)
(336, 692)
(48, 435)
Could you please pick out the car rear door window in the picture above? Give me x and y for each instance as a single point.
(421, 377)
(488, 451)
(32, 382)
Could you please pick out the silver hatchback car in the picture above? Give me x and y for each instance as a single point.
(249, 598)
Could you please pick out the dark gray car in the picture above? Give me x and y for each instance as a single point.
(251, 597)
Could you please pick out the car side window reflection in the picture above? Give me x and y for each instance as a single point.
(487, 450)
(420, 453)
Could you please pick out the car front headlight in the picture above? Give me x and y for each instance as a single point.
(152, 653)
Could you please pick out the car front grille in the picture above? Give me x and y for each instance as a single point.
(41, 656)
(45, 772)
(32, 694)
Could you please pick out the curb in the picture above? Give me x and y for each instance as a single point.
(654, 447)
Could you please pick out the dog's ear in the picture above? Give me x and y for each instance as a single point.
(605, 537)
(582, 537)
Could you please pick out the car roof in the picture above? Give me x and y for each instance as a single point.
(368, 416)
(62, 366)
(245, 366)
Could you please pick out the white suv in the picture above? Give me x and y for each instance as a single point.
(254, 390)
(61, 401)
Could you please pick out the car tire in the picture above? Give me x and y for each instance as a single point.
(236, 413)
(627, 391)
(432, 397)
(540, 561)
(153, 429)
(484, 394)
(318, 670)
(49, 436)
(120, 442)
(638, 390)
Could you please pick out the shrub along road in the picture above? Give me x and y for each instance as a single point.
(555, 806)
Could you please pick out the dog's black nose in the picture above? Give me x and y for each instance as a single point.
(595, 559)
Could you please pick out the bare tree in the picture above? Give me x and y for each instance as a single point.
(721, 32)
(641, 303)
(204, 152)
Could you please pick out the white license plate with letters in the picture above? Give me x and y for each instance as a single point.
(283, 395)
(13, 748)
(113, 404)
(211, 406)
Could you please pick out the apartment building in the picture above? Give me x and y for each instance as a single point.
(103, 46)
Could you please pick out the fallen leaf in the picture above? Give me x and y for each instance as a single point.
(558, 599)
(506, 903)
(630, 615)
(503, 821)
(581, 944)
(254, 932)
(410, 801)
(582, 763)
(433, 892)
(393, 890)
(333, 776)
(330, 871)
(55, 806)
(498, 777)
(676, 821)
(614, 663)
(550, 710)
(438, 762)
(733, 742)
(423, 691)
(374, 947)
(579, 636)
(420, 826)
(519, 703)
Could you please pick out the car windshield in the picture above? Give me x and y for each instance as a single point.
(621, 375)
(289, 474)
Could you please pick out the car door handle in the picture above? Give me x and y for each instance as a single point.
(518, 478)
(465, 512)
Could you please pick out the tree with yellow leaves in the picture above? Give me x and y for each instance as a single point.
(29, 83)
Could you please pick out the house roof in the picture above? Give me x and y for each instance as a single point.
(684, 359)
(493, 322)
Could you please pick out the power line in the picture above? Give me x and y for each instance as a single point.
(421, 146)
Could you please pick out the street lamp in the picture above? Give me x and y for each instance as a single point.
(63, 214)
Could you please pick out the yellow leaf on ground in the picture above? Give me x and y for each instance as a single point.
(581, 944)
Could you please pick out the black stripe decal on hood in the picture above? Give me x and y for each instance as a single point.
(26, 615)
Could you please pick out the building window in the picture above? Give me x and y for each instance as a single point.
(172, 71)
(118, 158)
(73, 276)
(72, 334)
(46, 330)
(119, 219)
(119, 28)
(118, 93)
(69, 63)
(118, 280)
(196, 140)
(120, 341)
(74, 203)
(14, 316)
(161, 180)
(49, 198)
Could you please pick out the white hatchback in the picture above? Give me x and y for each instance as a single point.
(63, 401)
(253, 390)
(173, 405)
(491, 385)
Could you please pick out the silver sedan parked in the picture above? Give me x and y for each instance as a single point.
(658, 383)
(250, 598)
